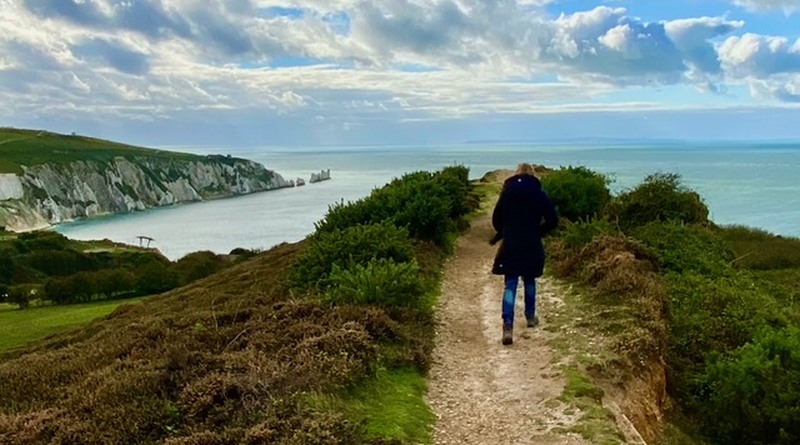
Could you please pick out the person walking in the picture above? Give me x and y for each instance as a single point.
(523, 214)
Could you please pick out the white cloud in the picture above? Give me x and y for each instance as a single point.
(769, 65)
(408, 59)
(788, 7)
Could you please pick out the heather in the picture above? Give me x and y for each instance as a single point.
(260, 351)
(714, 304)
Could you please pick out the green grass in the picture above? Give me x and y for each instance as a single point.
(761, 250)
(18, 327)
(597, 424)
(390, 406)
(32, 147)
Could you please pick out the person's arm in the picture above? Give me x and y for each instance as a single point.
(497, 214)
(549, 214)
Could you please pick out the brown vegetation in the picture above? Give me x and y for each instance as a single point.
(623, 274)
(228, 359)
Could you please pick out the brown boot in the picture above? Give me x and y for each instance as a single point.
(508, 334)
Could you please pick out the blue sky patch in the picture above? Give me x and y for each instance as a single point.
(279, 11)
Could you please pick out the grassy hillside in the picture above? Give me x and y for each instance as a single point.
(322, 342)
(31, 147)
(712, 307)
(20, 327)
(44, 268)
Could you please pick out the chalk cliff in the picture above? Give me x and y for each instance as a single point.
(51, 193)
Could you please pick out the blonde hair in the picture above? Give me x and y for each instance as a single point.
(524, 169)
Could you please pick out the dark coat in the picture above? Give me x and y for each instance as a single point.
(523, 215)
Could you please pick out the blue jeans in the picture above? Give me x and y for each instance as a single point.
(510, 297)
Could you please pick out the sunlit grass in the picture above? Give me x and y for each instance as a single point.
(18, 327)
(389, 406)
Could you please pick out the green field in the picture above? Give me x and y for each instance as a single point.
(32, 147)
(18, 327)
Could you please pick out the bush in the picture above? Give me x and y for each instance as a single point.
(455, 180)
(709, 315)
(59, 262)
(198, 265)
(752, 395)
(682, 248)
(577, 192)
(22, 294)
(424, 208)
(155, 278)
(382, 282)
(427, 204)
(661, 197)
(41, 240)
(581, 233)
(72, 289)
(346, 248)
(110, 282)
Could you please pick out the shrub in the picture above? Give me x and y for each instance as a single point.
(577, 192)
(59, 290)
(74, 288)
(427, 204)
(59, 262)
(382, 282)
(349, 247)
(660, 197)
(110, 282)
(681, 248)
(455, 180)
(752, 395)
(198, 265)
(7, 265)
(710, 315)
(578, 234)
(41, 240)
(22, 294)
(424, 208)
(155, 278)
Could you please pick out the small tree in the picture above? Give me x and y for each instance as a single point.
(155, 278)
(110, 282)
(59, 290)
(21, 295)
(198, 265)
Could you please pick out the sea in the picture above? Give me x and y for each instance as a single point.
(755, 184)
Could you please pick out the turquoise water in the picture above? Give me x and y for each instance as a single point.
(750, 184)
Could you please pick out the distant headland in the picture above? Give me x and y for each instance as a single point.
(48, 178)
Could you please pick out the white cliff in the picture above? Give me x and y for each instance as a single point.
(48, 194)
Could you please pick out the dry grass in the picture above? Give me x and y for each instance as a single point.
(623, 275)
(228, 359)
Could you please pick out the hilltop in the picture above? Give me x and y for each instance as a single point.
(48, 178)
(29, 148)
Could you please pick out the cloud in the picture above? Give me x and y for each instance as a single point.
(760, 56)
(363, 60)
(611, 46)
(407, 26)
(769, 65)
(115, 54)
(788, 7)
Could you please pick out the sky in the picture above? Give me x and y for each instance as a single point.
(394, 72)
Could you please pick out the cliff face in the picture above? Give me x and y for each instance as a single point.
(48, 194)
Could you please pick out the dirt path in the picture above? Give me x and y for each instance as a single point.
(481, 391)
